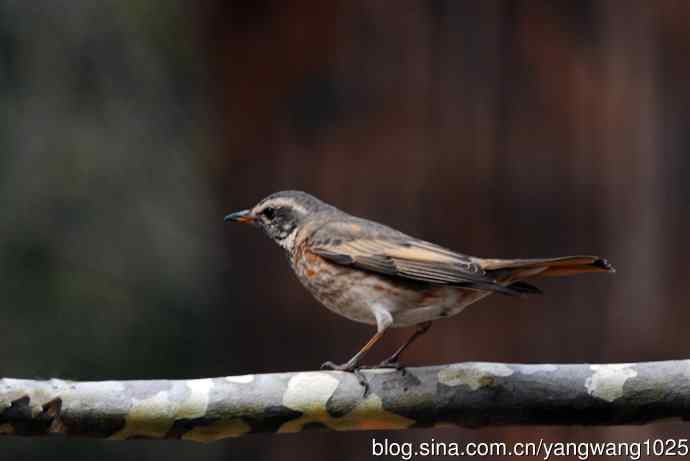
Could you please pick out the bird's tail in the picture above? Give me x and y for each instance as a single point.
(513, 271)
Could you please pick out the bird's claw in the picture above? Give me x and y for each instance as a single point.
(352, 368)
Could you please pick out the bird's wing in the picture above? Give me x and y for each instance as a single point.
(391, 253)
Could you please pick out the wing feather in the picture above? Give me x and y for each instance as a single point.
(398, 255)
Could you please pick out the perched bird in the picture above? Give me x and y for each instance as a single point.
(374, 274)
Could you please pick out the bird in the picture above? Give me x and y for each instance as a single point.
(371, 273)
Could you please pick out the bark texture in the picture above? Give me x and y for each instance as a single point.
(463, 394)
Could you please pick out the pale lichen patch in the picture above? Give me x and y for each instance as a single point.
(196, 404)
(473, 375)
(308, 393)
(607, 381)
(151, 417)
(369, 414)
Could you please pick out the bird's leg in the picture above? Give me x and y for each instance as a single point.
(383, 321)
(392, 361)
(353, 363)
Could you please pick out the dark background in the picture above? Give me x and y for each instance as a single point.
(496, 128)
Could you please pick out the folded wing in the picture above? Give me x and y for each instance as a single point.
(408, 258)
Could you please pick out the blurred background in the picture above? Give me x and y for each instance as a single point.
(496, 128)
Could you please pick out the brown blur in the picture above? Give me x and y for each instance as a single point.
(495, 128)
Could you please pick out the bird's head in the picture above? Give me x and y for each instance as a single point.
(280, 215)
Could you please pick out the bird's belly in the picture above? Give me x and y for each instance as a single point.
(438, 303)
(352, 293)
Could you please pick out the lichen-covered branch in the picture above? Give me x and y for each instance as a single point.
(464, 394)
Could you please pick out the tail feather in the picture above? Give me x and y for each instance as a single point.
(513, 271)
(559, 271)
(595, 262)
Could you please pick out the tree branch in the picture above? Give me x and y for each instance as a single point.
(465, 394)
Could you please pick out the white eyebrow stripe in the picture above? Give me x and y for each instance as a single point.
(278, 202)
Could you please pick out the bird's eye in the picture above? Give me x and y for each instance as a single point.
(269, 213)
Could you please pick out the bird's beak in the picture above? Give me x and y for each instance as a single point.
(244, 216)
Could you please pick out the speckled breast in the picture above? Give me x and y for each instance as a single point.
(341, 289)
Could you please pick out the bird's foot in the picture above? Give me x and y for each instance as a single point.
(352, 368)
